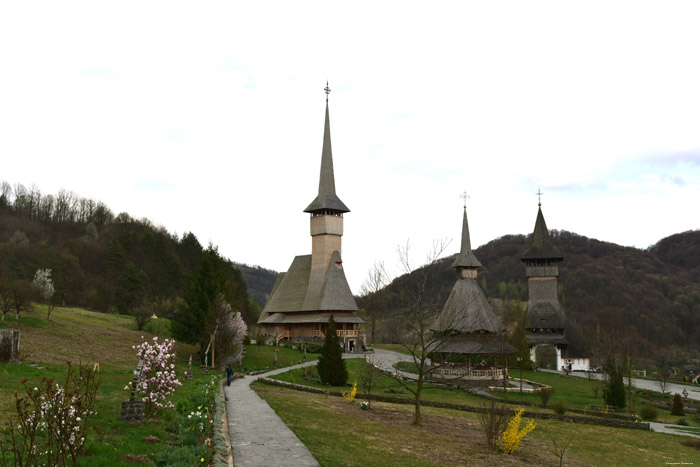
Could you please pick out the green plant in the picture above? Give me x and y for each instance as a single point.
(395, 391)
(513, 434)
(546, 393)
(52, 420)
(614, 391)
(560, 406)
(682, 422)
(677, 407)
(331, 366)
(647, 412)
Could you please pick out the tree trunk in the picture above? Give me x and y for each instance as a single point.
(419, 388)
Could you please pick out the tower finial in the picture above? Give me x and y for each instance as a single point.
(327, 90)
(539, 197)
(465, 197)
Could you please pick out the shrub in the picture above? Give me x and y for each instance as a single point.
(682, 422)
(647, 412)
(395, 391)
(677, 407)
(560, 406)
(246, 340)
(513, 434)
(493, 421)
(546, 393)
(313, 348)
(614, 392)
(52, 420)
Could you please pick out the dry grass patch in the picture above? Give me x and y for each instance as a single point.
(340, 433)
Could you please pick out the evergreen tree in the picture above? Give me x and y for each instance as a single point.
(615, 388)
(331, 366)
(677, 407)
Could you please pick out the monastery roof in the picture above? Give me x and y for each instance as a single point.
(467, 310)
(535, 338)
(466, 258)
(291, 293)
(542, 246)
(327, 199)
(286, 318)
(473, 344)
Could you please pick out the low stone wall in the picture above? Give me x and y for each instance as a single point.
(9, 345)
(469, 408)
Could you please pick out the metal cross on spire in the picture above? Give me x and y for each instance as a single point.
(327, 90)
(465, 197)
(539, 197)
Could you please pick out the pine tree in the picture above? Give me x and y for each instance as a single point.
(677, 407)
(615, 390)
(331, 366)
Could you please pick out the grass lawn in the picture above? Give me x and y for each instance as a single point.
(339, 433)
(262, 357)
(87, 337)
(385, 385)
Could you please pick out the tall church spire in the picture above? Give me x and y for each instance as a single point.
(466, 258)
(542, 246)
(327, 199)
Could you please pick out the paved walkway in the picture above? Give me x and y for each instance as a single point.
(672, 429)
(673, 388)
(258, 436)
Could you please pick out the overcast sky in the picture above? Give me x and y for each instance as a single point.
(208, 117)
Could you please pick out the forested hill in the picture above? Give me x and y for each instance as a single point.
(102, 261)
(259, 281)
(652, 296)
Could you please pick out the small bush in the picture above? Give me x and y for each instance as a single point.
(246, 340)
(313, 348)
(183, 406)
(395, 391)
(677, 407)
(647, 412)
(682, 422)
(546, 393)
(260, 340)
(559, 406)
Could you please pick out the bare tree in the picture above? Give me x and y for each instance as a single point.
(374, 299)
(368, 376)
(21, 296)
(6, 303)
(416, 317)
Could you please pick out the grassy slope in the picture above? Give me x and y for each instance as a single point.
(83, 336)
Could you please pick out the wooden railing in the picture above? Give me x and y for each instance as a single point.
(466, 373)
(348, 332)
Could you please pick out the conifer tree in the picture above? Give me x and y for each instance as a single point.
(615, 389)
(331, 366)
(677, 407)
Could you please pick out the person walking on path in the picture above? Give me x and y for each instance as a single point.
(229, 375)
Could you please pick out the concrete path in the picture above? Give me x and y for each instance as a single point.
(672, 429)
(258, 436)
(673, 388)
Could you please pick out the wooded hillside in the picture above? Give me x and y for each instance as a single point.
(98, 260)
(651, 296)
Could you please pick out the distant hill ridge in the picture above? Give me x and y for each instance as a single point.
(653, 295)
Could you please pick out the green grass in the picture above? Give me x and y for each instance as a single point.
(338, 433)
(261, 357)
(88, 337)
(385, 385)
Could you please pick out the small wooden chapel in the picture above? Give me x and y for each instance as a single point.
(467, 327)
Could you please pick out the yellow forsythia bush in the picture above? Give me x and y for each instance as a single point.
(513, 434)
(350, 396)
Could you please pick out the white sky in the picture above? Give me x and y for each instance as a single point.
(208, 117)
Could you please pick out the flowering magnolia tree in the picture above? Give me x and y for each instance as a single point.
(231, 327)
(43, 285)
(52, 421)
(158, 379)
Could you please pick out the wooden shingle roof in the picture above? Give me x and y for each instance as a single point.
(466, 258)
(542, 247)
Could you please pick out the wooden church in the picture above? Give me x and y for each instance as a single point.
(314, 288)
